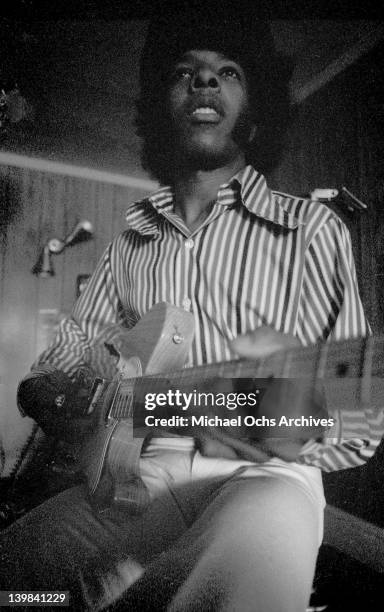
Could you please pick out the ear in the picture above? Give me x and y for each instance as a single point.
(252, 133)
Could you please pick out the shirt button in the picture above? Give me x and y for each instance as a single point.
(186, 303)
(189, 243)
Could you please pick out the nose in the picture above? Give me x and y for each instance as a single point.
(205, 77)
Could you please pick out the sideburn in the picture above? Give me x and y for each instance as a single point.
(243, 130)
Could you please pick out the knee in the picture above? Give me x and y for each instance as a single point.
(267, 513)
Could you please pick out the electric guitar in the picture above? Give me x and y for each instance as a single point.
(153, 353)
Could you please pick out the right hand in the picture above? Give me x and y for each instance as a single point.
(57, 404)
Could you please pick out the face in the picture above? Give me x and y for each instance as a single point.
(208, 109)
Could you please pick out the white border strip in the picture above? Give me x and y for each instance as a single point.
(45, 165)
(367, 42)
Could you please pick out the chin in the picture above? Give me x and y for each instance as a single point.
(208, 155)
(209, 162)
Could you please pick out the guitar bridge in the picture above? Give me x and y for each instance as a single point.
(122, 404)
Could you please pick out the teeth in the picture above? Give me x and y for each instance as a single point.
(204, 110)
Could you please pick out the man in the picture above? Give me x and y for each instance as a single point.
(219, 532)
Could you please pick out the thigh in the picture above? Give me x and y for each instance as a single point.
(263, 513)
(253, 547)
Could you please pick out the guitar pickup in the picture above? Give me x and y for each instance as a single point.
(95, 393)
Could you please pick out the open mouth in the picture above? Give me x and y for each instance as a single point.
(205, 114)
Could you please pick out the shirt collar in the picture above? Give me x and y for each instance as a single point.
(260, 200)
(144, 216)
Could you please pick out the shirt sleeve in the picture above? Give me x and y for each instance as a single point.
(98, 309)
(331, 309)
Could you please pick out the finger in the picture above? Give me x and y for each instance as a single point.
(243, 449)
(263, 342)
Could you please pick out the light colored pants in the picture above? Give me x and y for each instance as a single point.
(220, 534)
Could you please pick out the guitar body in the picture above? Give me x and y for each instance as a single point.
(158, 343)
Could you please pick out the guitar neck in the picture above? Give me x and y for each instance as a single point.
(361, 359)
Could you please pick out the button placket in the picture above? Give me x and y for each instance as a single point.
(188, 244)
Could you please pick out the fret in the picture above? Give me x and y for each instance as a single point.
(287, 365)
(270, 366)
(183, 375)
(260, 369)
(249, 369)
(221, 370)
(321, 361)
(206, 377)
(278, 364)
(238, 369)
(317, 367)
(230, 368)
(366, 373)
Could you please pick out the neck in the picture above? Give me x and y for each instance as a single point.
(196, 190)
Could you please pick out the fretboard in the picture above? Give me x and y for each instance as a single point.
(360, 361)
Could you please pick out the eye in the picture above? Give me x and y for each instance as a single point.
(229, 72)
(181, 72)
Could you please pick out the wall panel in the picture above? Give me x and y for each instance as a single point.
(37, 206)
(337, 138)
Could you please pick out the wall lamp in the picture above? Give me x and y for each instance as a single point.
(341, 196)
(82, 232)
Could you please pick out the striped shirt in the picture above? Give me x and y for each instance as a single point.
(259, 258)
